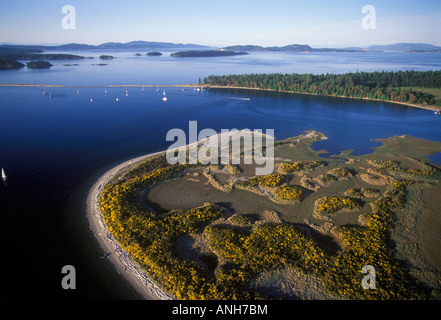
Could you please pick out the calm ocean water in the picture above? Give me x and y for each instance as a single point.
(54, 149)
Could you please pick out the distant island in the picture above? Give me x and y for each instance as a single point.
(425, 51)
(303, 48)
(405, 47)
(40, 56)
(39, 64)
(6, 64)
(206, 53)
(106, 57)
(154, 53)
(135, 45)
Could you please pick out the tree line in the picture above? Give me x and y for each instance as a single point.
(384, 85)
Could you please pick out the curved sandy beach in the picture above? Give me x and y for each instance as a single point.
(115, 254)
(118, 257)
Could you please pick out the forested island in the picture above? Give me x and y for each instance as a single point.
(7, 64)
(154, 53)
(39, 64)
(206, 53)
(106, 57)
(410, 87)
(40, 56)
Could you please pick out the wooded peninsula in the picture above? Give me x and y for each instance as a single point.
(411, 87)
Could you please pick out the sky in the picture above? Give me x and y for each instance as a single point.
(221, 23)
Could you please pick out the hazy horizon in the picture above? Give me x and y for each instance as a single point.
(281, 22)
(210, 46)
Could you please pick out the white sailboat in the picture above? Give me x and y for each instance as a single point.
(164, 98)
(4, 175)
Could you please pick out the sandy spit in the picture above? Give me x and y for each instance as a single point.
(118, 257)
(115, 254)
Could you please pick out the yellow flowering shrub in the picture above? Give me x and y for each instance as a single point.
(428, 171)
(268, 246)
(151, 238)
(330, 205)
(290, 193)
(356, 193)
(369, 245)
(272, 180)
(301, 166)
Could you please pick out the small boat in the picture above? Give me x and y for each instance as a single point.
(116, 99)
(127, 93)
(142, 90)
(4, 175)
(437, 112)
(91, 100)
(78, 90)
(164, 98)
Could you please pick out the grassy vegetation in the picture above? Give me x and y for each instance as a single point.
(236, 247)
(436, 92)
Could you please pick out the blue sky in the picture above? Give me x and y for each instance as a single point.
(222, 22)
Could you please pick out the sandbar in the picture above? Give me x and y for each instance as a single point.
(112, 250)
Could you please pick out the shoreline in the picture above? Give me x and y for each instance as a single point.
(101, 86)
(424, 107)
(112, 250)
(430, 108)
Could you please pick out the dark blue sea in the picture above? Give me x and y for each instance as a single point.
(55, 145)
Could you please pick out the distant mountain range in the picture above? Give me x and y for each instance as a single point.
(149, 45)
(290, 48)
(135, 45)
(411, 47)
(406, 47)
